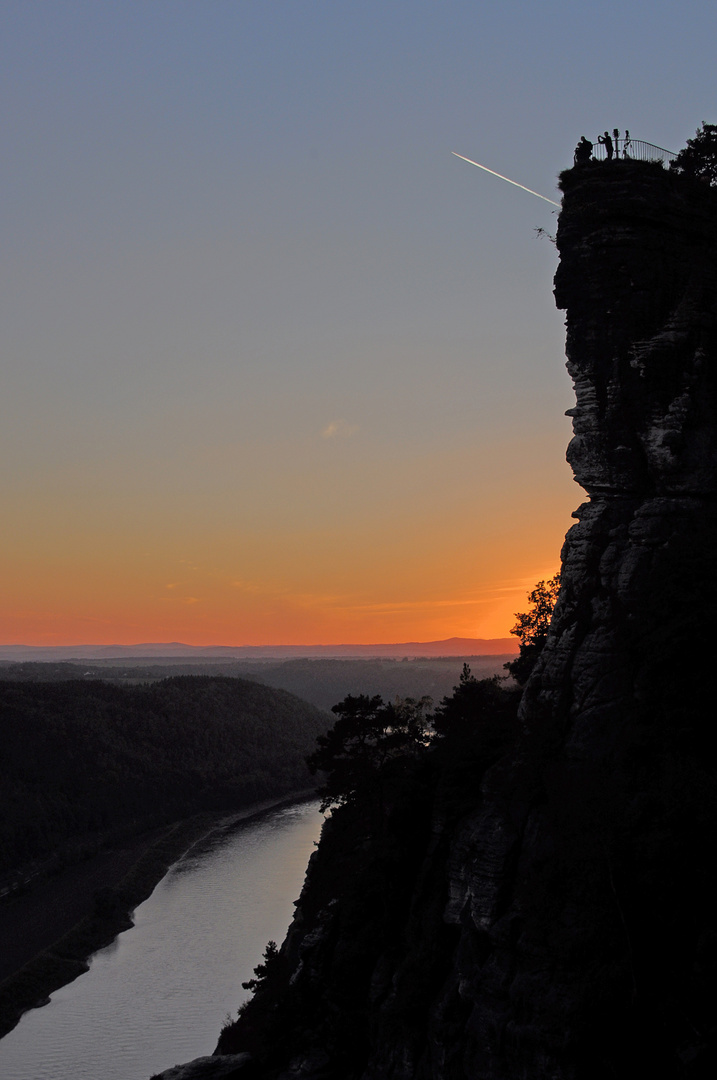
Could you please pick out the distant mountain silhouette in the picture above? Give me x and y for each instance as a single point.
(449, 647)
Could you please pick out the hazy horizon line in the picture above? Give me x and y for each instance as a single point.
(444, 646)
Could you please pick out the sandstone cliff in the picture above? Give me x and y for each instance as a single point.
(546, 909)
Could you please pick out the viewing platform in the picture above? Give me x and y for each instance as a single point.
(632, 150)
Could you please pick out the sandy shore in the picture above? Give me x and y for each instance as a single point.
(48, 932)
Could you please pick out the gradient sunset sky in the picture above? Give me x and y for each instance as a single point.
(276, 366)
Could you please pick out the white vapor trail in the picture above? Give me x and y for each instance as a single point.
(507, 180)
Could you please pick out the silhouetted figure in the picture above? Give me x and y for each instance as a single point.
(583, 151)
(626, 144)
(606, 141)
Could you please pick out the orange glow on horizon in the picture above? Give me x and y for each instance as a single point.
(205, 610)
(381, 549)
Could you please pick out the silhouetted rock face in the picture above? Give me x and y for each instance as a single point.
(561, 925)
(604, 818)
(638, 279)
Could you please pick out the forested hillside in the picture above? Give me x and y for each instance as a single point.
(322, 681)
(81, 760)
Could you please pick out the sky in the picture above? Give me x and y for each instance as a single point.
(277, 367)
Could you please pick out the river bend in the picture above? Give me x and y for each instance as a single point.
(159, 993)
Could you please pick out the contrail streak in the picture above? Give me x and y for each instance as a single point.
(508, 181)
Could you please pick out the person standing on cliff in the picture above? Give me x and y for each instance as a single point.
(606, 141)
(583, 151)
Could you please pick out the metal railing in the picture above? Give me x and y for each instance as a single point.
(632, 150)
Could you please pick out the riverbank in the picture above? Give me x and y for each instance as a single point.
(48, 933)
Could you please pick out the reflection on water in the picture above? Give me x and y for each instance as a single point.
(159, 993)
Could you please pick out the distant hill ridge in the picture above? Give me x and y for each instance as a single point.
(454, 646)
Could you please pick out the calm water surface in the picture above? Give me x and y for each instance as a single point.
(159, 994)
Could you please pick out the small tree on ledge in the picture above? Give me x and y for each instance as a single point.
(532, 628)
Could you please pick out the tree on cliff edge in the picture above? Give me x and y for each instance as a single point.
(532, 628)
(699, 158)
(368, 734)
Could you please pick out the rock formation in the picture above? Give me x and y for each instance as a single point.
(595, 895)
(548, 912)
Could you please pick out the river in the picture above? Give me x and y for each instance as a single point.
(159, 994)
